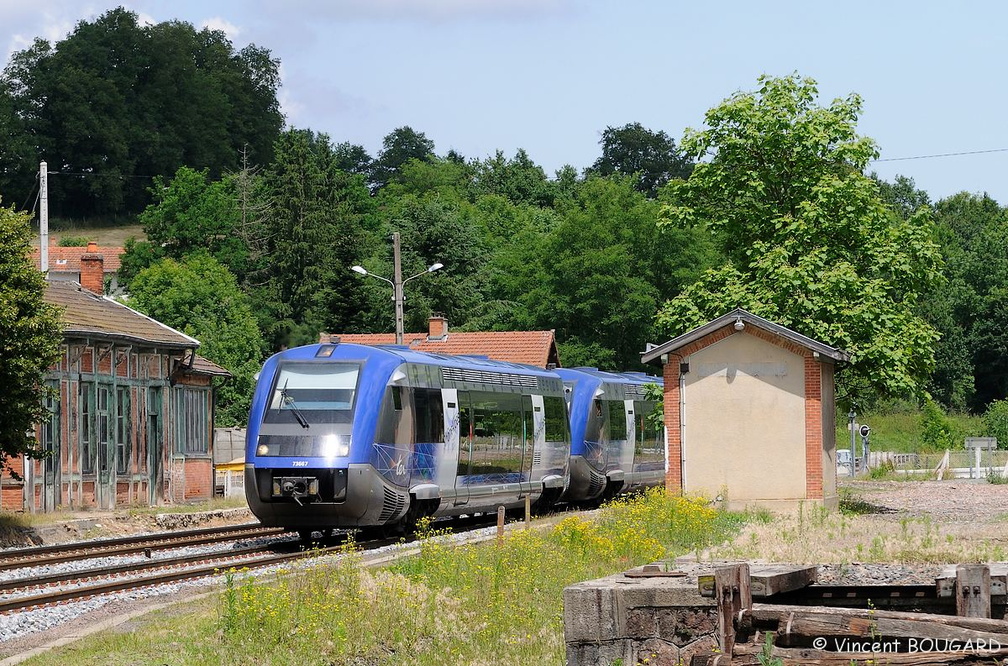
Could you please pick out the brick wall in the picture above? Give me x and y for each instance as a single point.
(813, 428)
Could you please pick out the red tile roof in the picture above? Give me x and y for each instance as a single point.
(67, 259)
(529, 347)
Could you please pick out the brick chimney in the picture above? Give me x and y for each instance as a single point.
(437, 327)
(92, 269)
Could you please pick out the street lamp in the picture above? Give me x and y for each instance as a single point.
(397, 284)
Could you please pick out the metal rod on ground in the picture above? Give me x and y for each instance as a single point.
(500, 525)
(528, 512)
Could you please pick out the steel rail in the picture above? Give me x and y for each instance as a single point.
(126, 546)
(88, 591)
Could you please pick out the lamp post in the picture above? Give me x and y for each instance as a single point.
(397, 284)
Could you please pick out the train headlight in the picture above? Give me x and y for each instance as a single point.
(333, 446)
(262, 450)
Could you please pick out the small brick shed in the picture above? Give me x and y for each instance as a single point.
(749, 413)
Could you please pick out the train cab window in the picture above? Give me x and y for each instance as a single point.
(617, 421)
(429, 416)
(395, 424)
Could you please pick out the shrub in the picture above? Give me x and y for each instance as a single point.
(936, 429)
(995, 421)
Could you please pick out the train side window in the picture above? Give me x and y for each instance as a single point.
(429, 415)
(617, 421)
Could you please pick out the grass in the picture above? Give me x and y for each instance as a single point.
(487, 604)
(215, 504)
(900, 430)
(107, 235)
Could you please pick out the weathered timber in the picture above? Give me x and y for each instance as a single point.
(946, 581)
(810, 622)
(973, 590)
(733, 597)
(746, 655)
(768, 580)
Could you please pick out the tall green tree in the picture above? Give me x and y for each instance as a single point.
(973, 233)
(309, 239)
(399, 147)
(117, 103)
(30, 335)
(199, 296)
(780, 183)
(189, 213)
(650, 158)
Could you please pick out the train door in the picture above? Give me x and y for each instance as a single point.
(453, 468)
(534, 439)
(630, 441)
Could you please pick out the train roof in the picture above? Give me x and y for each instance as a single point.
(612, 377)
(407, 355)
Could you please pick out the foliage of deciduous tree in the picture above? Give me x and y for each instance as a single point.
(30, 336)
(116, 103)
(649, 157)
(399, 147)
(199, 296)
(520, 179)
(190, 213)
(809, 242)
(973, 234)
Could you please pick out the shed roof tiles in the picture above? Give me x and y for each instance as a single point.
(86, 314)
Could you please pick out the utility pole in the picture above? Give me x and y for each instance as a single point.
(44, 218)
(397, 287)
(397, 284)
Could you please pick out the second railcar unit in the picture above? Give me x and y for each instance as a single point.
(615, 446)
(344, 435)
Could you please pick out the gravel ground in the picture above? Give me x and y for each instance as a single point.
(944, 501)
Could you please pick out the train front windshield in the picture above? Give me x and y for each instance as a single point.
(306, 394)
(310, 410)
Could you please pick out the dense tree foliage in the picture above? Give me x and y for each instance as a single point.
(808, 241)
(649, 157)
(200, 297)
(30, 335)
(768, 208)
(117, 103)
(308, 239)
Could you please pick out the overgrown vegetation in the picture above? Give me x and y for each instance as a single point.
(482, 604)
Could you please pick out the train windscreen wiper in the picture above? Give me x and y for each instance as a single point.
(289, 401)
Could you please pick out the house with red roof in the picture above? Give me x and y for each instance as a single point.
(529, 347)
(64, 263)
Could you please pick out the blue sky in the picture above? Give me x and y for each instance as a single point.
(548, 76)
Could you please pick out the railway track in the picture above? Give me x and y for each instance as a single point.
(43, 588)
(55, 554)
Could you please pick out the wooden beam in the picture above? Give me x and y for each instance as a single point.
(821, 622)
(733, 595)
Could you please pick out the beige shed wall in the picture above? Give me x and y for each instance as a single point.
(744, 429)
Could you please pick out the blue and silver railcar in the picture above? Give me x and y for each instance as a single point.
(615, 447)
(344, 435)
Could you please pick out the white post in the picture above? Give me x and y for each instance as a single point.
(44, 218)
(397, 287)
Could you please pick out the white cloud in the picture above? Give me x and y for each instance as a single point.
(225, 26)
